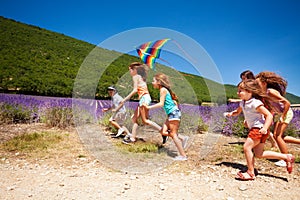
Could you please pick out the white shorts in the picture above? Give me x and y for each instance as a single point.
(146, 98)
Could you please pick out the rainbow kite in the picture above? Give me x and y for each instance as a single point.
(150, 51)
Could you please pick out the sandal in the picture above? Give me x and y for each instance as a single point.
(242, 177)
(290, 163)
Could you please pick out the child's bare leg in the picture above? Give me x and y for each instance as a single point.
(135, 125)
(178, 144)
(174, 125)
(248, 146)
(273, 141)
(144, 115)
(290, 139)
(278, 134)
(115, 124)
(126, 130)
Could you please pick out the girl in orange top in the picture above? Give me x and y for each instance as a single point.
(139, 73)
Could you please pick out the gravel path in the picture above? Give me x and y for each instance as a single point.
(209, 177)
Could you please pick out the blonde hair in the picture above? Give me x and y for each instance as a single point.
(141, 69)
(164, 82)
(274, 81)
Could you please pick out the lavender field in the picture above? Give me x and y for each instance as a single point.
(64, 112)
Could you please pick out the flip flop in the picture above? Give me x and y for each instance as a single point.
(240, 176)
(290, 163)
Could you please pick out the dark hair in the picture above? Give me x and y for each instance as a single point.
(247, 74)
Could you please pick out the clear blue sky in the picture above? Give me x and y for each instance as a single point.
(256, 34)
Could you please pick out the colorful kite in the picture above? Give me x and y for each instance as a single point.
(150, 51)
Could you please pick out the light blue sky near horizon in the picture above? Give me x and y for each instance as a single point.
(238, 35)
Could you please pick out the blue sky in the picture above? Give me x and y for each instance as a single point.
(238, 35)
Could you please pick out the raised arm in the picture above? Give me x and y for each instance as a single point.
(134, 91)
(163, 93)
(233, 113)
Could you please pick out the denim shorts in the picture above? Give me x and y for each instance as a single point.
(175, 115)
(145, 99)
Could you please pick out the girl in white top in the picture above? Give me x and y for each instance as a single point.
(259, 120)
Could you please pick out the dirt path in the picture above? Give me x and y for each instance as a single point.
(65, 175)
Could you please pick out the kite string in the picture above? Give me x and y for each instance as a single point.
(178, 45)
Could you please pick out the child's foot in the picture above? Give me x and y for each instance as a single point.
(120, 131)
(127, 136)
(280, 163)
(290, 163)
(128, 141)
(180, 158)
(247, 176)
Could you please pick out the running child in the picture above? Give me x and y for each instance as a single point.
(169, 104)
(118, 118)
(259, 119)
(138, 72)
(275, 87)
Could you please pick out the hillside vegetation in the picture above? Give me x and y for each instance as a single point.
(40, 62)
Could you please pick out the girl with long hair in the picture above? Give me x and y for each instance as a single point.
(275, 88)
(168, 100)
(258, 119)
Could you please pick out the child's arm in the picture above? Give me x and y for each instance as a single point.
(163, 93)
(234, 100)
(268, 116)
(274, 94)
(106, 109)
(135, 86)
(233, 113)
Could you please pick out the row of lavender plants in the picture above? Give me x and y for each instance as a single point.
(65, 112)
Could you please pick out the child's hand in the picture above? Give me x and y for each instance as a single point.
(281, 119)
(263, 131)
(227, 114)
(145, 105)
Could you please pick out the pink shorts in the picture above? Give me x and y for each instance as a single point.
(256, 135)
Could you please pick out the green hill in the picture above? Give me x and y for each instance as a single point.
(40, 62)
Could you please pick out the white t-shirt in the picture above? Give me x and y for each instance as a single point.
(252, 117)
(116, 99)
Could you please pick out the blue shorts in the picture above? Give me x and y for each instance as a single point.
(145, 99)
(175, 115)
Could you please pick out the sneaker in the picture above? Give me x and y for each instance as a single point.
(280, 163)
(128, 141)
(184, 142)
(127, 136)
(120, 131)
(165, 139)
(180, 158)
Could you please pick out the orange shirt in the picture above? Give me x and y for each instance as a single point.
(142, 90)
